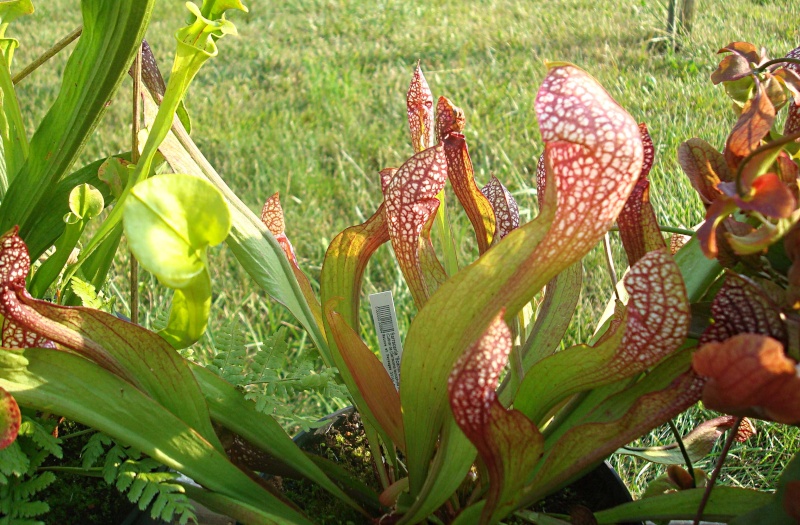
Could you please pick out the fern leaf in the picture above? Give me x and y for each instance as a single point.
(94, 448)
(113, 462)
(35, 484)
(13, 462)
(43, 437)
(90, 297)
(230, 355)
(29, 509)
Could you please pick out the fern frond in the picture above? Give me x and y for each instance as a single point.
(29, 509)
(230, 354)
(114, 459)
(269, 359)
(41, 436)
(144, 486)
(94, 448)
(13, 462)
(90, 297)
(35, 484)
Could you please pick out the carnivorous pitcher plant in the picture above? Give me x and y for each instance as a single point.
(490, 414)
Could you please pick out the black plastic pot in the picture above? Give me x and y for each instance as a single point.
(602, 489)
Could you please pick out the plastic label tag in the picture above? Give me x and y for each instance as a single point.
(385, 319)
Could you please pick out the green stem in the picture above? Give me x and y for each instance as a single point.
(785, 60)
(47, 55)
(515, 358)
(684, 452)
(78, 434)
(136, 119)
(612, 272)
(717, 469)
(95, 472)
(446, 236)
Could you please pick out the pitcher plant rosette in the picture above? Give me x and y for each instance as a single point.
(491, 414)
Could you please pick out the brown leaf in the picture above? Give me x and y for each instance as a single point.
(727, 257)
(705, 167)
(770, 197)
(732, 67)
(749, 375)
(449, 118)
(745, 49)
(707, 233)
(754, 123)
(737, 64)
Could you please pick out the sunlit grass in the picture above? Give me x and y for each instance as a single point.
(310, 101)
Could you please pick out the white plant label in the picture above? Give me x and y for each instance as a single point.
(385, 319)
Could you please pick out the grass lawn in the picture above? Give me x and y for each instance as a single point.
(309, 100)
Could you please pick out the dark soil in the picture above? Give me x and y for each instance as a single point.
(343, 442)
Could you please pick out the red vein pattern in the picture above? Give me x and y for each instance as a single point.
(658, 311)
(272, 217)
(739, 307)
(505, 208)
(14, 267)
(475, 376)
(23, 324)
(705, 167)
(594, 151)
(411, 202)
(387, 174)
(638, 226)
(419, 105)
(508, 442)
